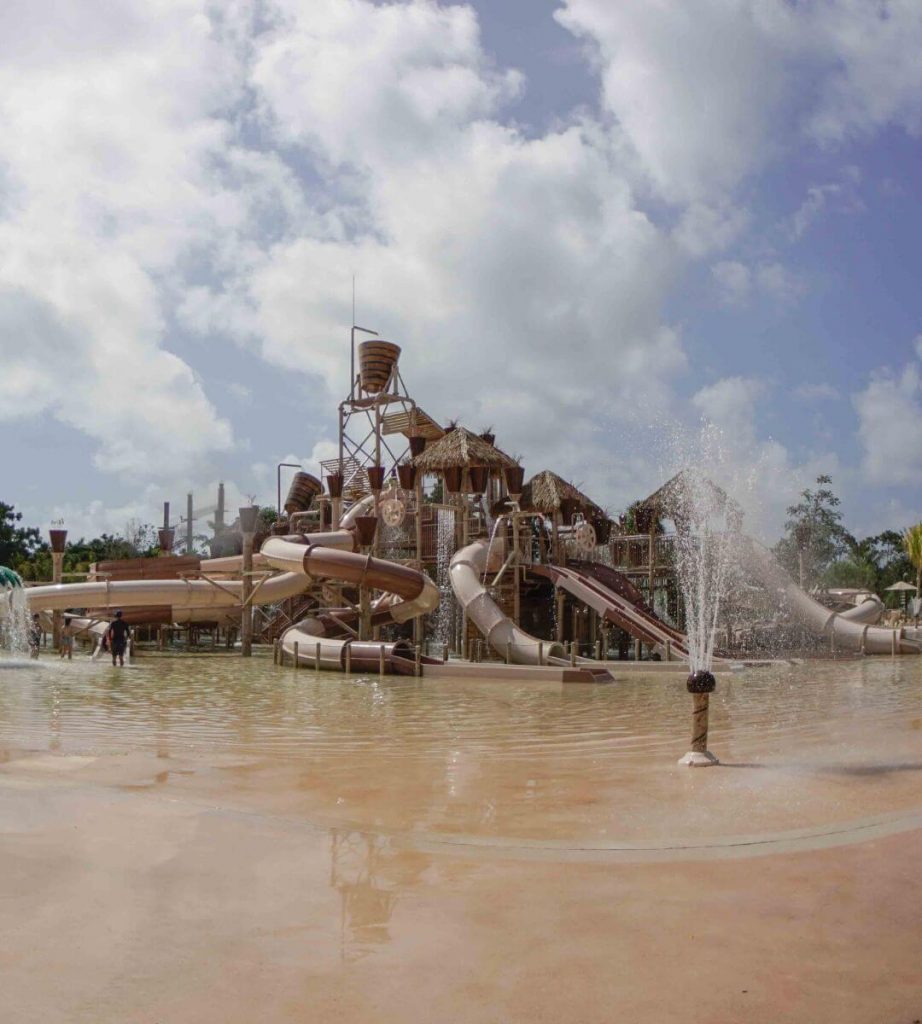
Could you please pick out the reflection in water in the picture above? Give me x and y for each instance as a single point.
(369, 877)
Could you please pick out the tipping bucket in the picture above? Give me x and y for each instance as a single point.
(452, 477)
(377, 360)
(478, 476)
(304, 488)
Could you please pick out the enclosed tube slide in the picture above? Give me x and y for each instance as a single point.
(466, 569)
(848, 630)
(408, 593)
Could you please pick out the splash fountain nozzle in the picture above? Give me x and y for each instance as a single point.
(701, 684)
(701, 681)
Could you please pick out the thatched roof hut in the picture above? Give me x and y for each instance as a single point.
(462, 449)
(677, 497)
(548, 493)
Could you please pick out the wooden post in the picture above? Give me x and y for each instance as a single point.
(894, 644)
(598, 650)
(668, 650)
(540, 652)
(637, 651)
(294, 648)
(418, 631)
(508, 652)
(381, 661)
(348, 659)
(58, 543)
(317, 656)
(417, 661)
(516, 571)
(654, 519)
(364, 613)
(561, 598)
(248, 526)
(699, 743)
(445, 653)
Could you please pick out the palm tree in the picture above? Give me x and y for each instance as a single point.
(912, 542)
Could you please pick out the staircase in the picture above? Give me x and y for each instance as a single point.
(290, 611)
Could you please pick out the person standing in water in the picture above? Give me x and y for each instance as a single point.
(118, 638)
(35, 636)
(67, 640)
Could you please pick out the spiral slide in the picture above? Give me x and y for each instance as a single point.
(301, 559)
(407, 593)
(466, 570)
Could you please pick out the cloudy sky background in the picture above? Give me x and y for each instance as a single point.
(582, 220)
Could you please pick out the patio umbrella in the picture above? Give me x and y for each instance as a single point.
(902, 587)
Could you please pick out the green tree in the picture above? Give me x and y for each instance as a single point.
(17, 543)
(437, 495)
(815, 536)
(912, 542)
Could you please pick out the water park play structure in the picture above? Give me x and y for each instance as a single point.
(377, 574)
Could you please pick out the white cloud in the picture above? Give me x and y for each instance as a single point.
(761, 473)
(733, 280)
(737, 282)
(841, 194)
(113, 148)
(730, 404)
(890, 424)
(704, 229)
(709, 92)
(188, 167)
(514, 267)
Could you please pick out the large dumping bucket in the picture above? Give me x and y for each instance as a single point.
(377, 360)
(304, 488)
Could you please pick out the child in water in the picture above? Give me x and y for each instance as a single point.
(67, 640)
(35, 636)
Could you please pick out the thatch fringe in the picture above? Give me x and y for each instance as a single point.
(546, 490)
(462, 448)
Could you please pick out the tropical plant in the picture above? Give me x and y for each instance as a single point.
(17, 543)
(815, 536)
(912, 542)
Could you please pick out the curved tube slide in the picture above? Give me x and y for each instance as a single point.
(408, 593)
(466, 569)
(848, 630)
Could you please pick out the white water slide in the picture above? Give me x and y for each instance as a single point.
(596, 587)
(849, 630)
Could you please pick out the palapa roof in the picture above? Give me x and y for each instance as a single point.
(675, 494)
(545, 491)
(461, 447)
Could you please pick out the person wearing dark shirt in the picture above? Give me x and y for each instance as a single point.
(35, 636)
(118, 638)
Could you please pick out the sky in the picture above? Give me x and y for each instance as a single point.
(593, 226)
